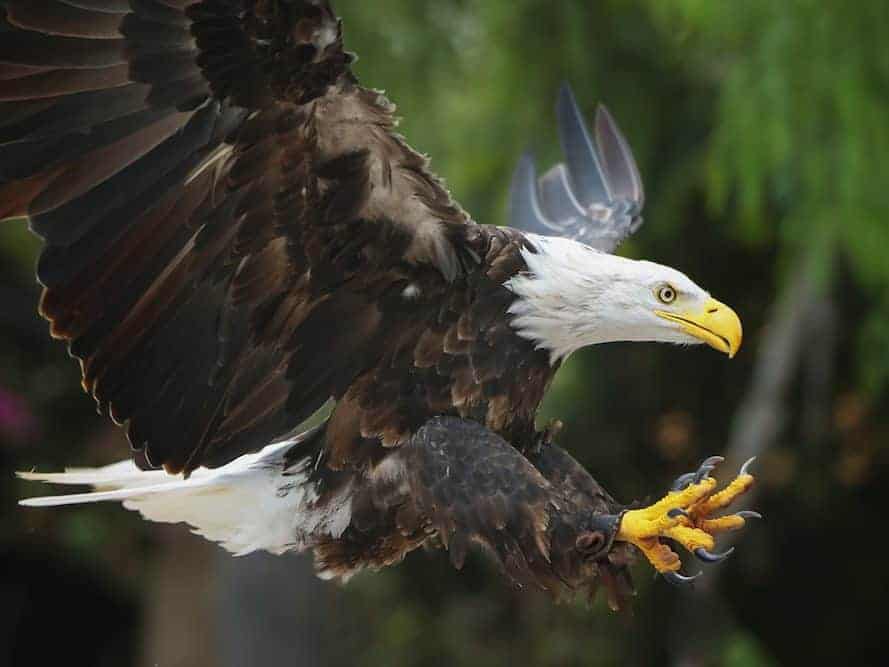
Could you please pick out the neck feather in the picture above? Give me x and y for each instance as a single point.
(566, 298)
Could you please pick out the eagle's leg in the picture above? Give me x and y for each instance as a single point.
(543, 518)
(575, 483)
(685, 515)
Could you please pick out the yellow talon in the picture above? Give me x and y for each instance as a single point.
(723, 524)
(738, 486)
(691, 538)
(685, 516)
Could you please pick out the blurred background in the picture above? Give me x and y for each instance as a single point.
(761, 129)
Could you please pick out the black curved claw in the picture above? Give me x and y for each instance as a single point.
(746, 466)
(710, 557)
(707, 467)
(677, 512)
(682, 481)
(748, 514)
(680, 579)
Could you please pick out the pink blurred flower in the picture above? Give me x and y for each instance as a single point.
(17, 422)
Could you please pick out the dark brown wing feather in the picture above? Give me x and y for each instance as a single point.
(229, 221)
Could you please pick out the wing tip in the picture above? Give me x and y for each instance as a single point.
(526, 164)
(623, 170)
(566, 94)
(603, 115)
(524, 209)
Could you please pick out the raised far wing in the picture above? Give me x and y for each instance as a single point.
(595, 196)
(218, 197)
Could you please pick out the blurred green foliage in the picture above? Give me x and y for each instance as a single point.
(760, 128)
(774, 113)
(19, 247)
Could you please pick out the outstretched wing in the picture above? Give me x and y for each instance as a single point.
(595, 196)
(218, 197)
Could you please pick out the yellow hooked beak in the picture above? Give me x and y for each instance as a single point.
(715, 324)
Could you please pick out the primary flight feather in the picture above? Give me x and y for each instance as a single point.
(235, 235)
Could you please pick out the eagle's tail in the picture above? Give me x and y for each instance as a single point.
(124, 482)
(265, 500)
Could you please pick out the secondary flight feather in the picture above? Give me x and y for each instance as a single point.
(235, 235)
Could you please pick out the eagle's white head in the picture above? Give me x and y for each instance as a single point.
(573, 296)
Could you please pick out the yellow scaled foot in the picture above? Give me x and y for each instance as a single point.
(685, 515)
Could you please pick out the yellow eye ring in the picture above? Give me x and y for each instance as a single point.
(666, 294)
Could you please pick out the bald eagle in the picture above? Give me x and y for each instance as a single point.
(235, 235)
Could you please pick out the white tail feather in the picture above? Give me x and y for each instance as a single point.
(244, 506)
(100, 496)
(123, 474)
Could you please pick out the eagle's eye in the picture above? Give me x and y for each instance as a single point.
(666, 294)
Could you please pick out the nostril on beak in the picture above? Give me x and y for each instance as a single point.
(712, 310)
